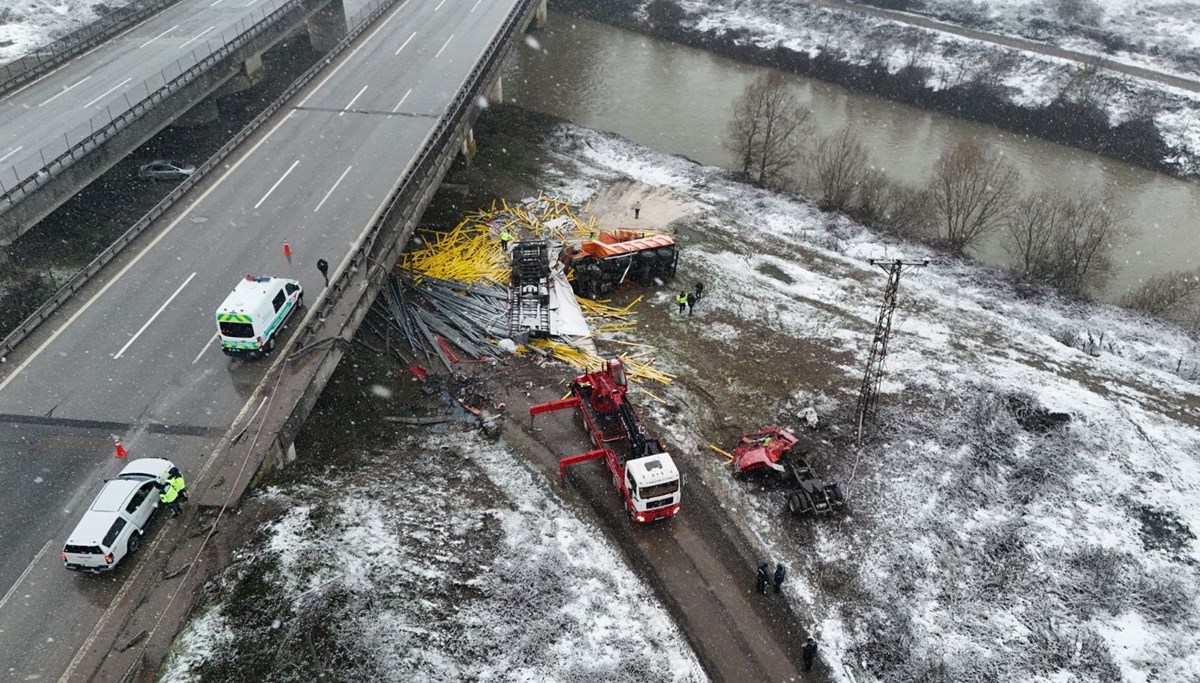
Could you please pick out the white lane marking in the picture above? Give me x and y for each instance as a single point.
(136, 259)
(106, 94)
(439, 5)
(285, 174)
(215, 3)
(439, 52)
(196, 37)
(476, 6)
(12, 152)
(64, 91)
(25, 573)
(398, 104)
(153, 317)
(351, 102)
(414, 35)
(346, 60)
(206, 345)
(158, 36)
(335, 185)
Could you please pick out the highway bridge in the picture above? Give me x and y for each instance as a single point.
(341, 171)
(68, 127)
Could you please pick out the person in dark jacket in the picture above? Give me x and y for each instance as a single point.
(761, 585)
(780, 575)
(809, 652)
(691, 301)
(699, 290)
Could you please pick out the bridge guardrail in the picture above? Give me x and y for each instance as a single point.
(419, 174)
(49, 56)
(34, 170)
(365, 17)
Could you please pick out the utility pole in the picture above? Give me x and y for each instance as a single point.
(883, 329)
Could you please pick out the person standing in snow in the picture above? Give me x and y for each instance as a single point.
(761, 585)
(780, 575)
(699, 289)
(682, 300)
(637, 209)
(175, 481)
(809, 652)
(691, 301)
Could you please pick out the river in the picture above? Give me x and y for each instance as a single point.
(679, 100)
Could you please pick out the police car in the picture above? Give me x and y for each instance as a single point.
(254, 312)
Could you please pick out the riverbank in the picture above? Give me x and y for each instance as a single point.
(1092, 110)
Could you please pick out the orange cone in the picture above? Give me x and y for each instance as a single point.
(287, 251)
(121, 452)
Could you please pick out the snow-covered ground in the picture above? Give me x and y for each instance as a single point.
(447, 559)
(26, 25)
(987, 540)
(1031, 79)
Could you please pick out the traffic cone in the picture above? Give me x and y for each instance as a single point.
(121, 452)
(287, 251)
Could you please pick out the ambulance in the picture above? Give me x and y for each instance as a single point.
(254, 312)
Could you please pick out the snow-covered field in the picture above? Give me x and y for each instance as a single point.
(1031, 79)
(988, 540)
(446, 559)
(26, 25)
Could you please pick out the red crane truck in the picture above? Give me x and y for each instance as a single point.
(642, 471)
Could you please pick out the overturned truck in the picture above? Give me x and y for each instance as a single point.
(775, 449)
(598, 266)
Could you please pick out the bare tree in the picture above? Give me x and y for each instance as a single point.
(1030, 226)
(1175, 294)
(1063, 241)
(1083, 248)
(768, 130)
(839, 166)
(970, 192)
(1086, 12)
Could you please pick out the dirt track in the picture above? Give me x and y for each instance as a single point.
(697, 563)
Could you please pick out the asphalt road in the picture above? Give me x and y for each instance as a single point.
(139, 358)
(88, 92)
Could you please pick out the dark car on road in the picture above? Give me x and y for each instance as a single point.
(163, 169)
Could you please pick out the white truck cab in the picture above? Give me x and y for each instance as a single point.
(114, 523)
(254, 312)
(654, 487)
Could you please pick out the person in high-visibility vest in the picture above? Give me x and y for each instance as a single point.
(169, 497)
(175, 481)
(681, 299)
(505, 238)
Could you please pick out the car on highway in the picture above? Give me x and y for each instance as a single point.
(113, 525)
(163, 169)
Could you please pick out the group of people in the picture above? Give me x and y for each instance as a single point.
(686, 300)
(809, 651)
(173, 491)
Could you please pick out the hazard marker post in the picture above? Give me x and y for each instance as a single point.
(121, 452)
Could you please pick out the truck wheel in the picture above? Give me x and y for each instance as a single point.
(134, 543)
(270, 346)
(796, 503)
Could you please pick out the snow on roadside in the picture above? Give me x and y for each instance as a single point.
(26, 26)
(446, 560)
(986, 540)
(1032, 80)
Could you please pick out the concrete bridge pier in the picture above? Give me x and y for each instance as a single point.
(496, 93)
(207, 110)
(327, 26)
(541, 15)
(468, 146)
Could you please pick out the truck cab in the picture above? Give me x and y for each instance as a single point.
(654, 487)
